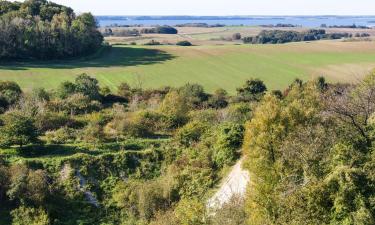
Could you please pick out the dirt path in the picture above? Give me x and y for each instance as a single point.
(234, 184)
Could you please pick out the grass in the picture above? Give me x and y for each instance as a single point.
(226, 66)
(50, 152)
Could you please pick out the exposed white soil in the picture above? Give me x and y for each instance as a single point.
(234, 184)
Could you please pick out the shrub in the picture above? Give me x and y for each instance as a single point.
(17, 130)
(166, 30)
(191, 133)
(228, 141)
(30, 216)
(153, 42)
(253, 90)
(63, 135)
(184, 43)
(236, 36)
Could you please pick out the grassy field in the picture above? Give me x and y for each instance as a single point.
(214, 66)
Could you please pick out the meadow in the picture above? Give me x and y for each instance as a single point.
(212, 65)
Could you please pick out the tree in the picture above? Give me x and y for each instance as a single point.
(166, 30)
(45, 30)
(236, 36)
(28, 186)
(124, 90)
(175, 107)
(183, 43)
(219, 99)
(10, 93)
(17, 129)
(66, 89)
(228, 141)
(253, 90)
(87, 86)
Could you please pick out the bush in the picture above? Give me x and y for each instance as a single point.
(236, 36)
(253, 90)
(63, 135)
(30, 216)
(17, 130)
(153, 42)
(183, 43)
(166, 30)
(228, 141)
(141, 124)
(191, 133)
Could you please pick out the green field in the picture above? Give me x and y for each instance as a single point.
(214, 66)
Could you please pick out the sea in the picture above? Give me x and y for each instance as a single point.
(304, 21)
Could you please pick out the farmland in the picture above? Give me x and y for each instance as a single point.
(213, 66)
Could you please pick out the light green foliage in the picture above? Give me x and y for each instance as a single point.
(175, 107)
(17, 129)
(30, 216)
(307, 166)
(88, 86)
(276, 65)
(190, 212)
(191, 133)
(27, 186)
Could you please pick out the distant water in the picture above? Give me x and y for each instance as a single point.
(305, 21)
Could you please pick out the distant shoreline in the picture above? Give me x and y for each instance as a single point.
(305, 21)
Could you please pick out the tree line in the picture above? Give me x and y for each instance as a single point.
(39, 29)
(280, 36)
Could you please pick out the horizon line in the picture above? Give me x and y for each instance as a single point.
(239, 15)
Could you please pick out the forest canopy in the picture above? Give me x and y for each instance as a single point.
(40, 29)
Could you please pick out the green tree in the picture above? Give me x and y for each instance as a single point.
(228, 143)
(10, 93)
(17, 129)
(87, 86)
(253, 90)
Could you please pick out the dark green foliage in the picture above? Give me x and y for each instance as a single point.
(160, 30)
(219, 99)
(229, 140)
(194, 93)
(45, 30)
(280, 36)
(236, 36)
(10, 93)
(184, 43)
(83, 84)
(253, 90)
(153, 42)
(88, 86)
(166, 30)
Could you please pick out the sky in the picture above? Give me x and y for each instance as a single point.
(222, 7)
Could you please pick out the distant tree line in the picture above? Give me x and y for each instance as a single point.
(362, 35)
(44, 30)
(106, 32)
(281, 25)
(280, 36)
(160, 30)
(345, 26)
(199, 25)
